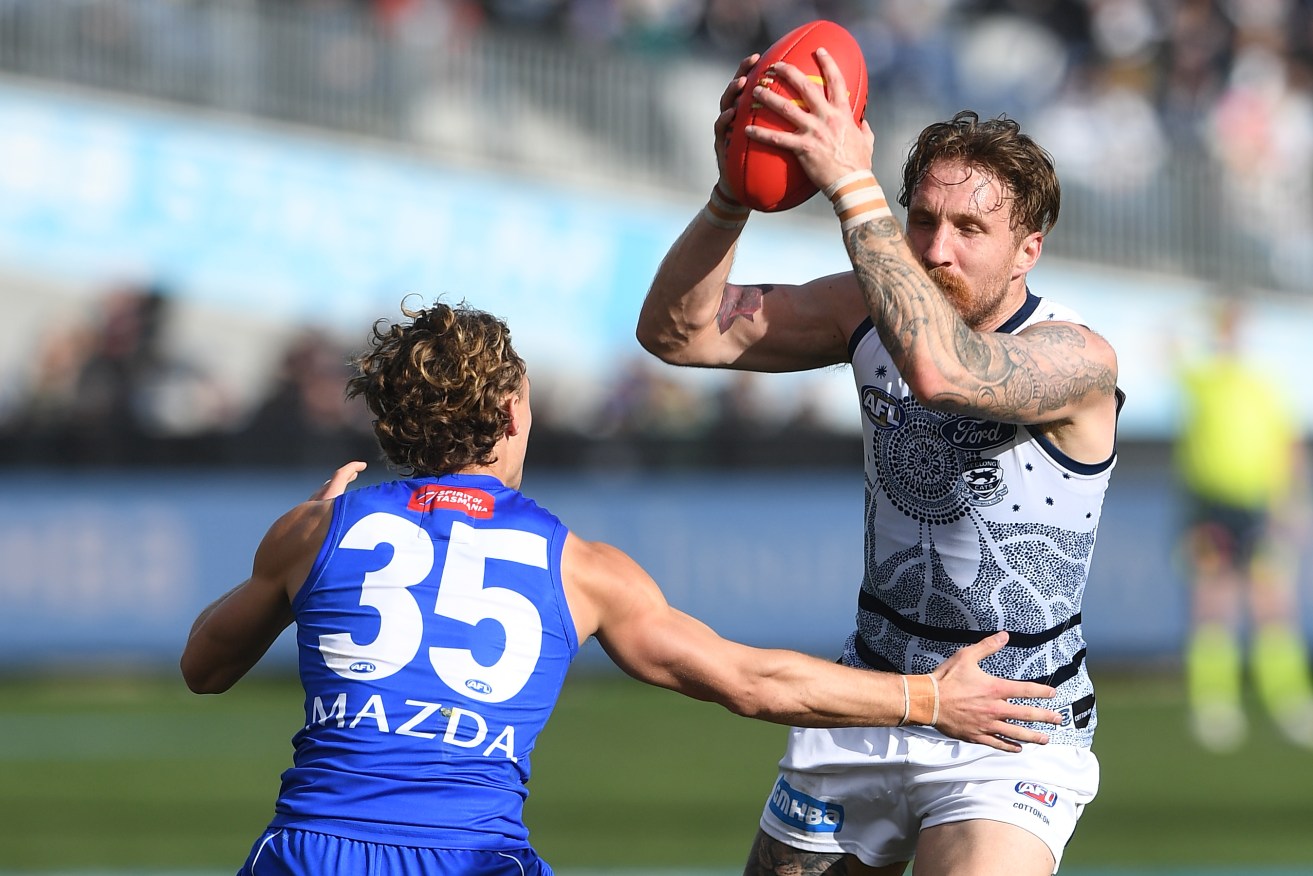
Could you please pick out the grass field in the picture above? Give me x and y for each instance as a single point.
(137, 775)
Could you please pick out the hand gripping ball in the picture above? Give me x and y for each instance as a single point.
(766, 177)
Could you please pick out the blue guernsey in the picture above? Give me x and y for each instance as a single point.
(433, 638)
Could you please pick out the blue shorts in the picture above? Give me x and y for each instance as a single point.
(283, 851)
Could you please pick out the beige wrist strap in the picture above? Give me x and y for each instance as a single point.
(920, 700)
(857, 199)
(723, 211)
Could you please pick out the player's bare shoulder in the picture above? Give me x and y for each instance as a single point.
(593, 574)
(306, 523)
(1079, 387)
(1074, 349)
(289, 548)
(1059, 332)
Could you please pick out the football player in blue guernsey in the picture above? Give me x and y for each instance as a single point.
(989, 418)
(436, 616)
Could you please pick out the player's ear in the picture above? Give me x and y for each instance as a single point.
(1028, 252)
(514, 421)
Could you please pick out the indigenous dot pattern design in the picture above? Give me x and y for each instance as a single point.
(925, 470)
(920, 473)
(946, 555)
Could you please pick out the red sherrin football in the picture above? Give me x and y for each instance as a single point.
(765, 177)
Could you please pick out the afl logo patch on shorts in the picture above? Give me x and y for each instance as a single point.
(1037, 792)
(804, 812)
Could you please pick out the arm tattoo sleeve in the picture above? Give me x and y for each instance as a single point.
(1013, 378)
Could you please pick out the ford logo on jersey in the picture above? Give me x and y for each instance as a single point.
(478, 686)
(805, 812)
(364, 667)
(970, 433)
(1037, 792)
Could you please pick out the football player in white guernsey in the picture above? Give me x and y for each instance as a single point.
(989, 419)
(369, 576)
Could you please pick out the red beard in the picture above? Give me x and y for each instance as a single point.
(972, 307)
(955, 289)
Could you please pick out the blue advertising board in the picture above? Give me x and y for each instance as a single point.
(101, 568)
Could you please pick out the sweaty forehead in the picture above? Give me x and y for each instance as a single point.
(954, 186)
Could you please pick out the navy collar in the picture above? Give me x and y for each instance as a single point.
(1023, 313)
(1013, 323)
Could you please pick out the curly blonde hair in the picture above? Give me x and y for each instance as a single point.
(437, 387)
(997, 147)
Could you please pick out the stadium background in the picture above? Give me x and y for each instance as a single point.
(204, 204)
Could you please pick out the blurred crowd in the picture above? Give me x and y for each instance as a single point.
(1106, 78)
(116, 389)
(1118, 90)
(1185, 71)
(1183, 129)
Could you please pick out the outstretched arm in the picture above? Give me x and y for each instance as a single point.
(613, 598)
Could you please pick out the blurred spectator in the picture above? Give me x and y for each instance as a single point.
(108, 392)
(1195, 55)
(996, 76)
(909, 51)
(1261, 134)
(50, 401)
(1125, 158)
(646, 401)
(739, 422)
(305, 417)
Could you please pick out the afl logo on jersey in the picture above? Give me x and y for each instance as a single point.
(969, 433)
(882, 409)
(478, 686)
(364, 667)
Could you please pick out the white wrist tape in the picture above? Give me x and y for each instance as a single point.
(722, 211)
(857, 199)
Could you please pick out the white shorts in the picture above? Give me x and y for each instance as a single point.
(870, 791)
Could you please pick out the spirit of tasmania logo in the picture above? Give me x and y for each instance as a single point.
(804, 811)
(435, 497)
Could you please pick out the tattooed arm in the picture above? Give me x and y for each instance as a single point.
(1058, 376)
(1045, 374)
